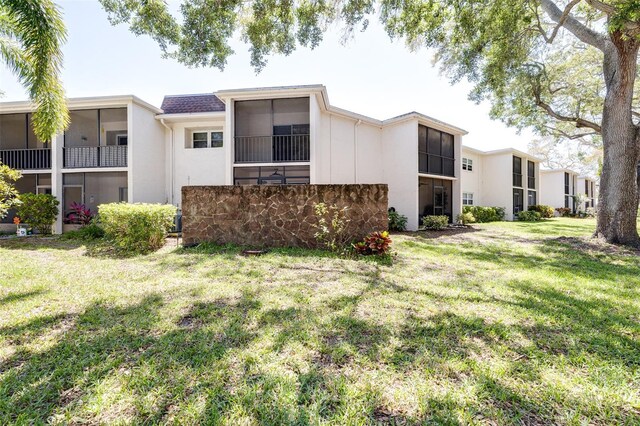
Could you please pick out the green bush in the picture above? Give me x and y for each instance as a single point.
(38, 210)
(435, 222)
(529, 216)
(545, 211)
(466, 218)
(485, 214)
(397, 221)
(90, 232)
(136, 228)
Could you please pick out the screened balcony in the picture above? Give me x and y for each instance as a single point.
(96, 138)
(19, 147)
(272, 131)
(436, 153)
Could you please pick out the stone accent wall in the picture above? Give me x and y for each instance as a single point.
(276, 215)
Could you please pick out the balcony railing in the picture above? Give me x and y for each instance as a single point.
(272, 149)
(27, 159)
(95, 156)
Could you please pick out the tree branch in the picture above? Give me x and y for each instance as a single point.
(580, 122)
(601, 6)
(560, 22)
(569, 135)
(581, 31)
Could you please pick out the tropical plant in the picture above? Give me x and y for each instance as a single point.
(80, 214)
(435, 223)
(331, 227)
(376, 243)
(563, 68)
(38, 210)
(31, 36)
(8, 192)
(563, 211)
(397, 221)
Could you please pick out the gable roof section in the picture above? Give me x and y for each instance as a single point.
(189, 104)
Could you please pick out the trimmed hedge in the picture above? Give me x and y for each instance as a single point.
(545, 211)
(136, 228)
(435, 222)
(485, 214)
(529, 216)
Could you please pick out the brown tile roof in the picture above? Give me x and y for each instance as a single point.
(185, 104)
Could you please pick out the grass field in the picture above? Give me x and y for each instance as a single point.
(506, 323)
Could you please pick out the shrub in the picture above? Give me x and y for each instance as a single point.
(466, 218)
(377, 243)
(38, 210)
(435, 222)
(89, 232)
(136, 228)
(8, 193)
(80, 214)
(331, 227)
(590, 212)
(397, 221)
(564, 211)
(529, 216)
(485, 214)
(545, 211)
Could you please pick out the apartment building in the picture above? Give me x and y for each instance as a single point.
(502, 178)
(560, 186)
(112, 151)
(122, 149)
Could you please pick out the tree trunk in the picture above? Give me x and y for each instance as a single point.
(618, 201)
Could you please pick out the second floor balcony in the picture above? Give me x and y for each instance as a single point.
(26, 159)
(80, 157)
(272, 149)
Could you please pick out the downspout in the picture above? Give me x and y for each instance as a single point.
(171, 160)
(355, 151)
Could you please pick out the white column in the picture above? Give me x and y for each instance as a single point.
(56, 178)
(228, 139)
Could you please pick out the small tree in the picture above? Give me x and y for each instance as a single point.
(39, 211)
(8, 192)
(331, 227)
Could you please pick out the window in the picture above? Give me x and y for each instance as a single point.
(207, 139)
(271, 175)
(533, 199)
(435, 152)
(531, 175)
(566, 186)
(467, 198)
(517, 171)
(122, 140)
(123, 194)
(467, 164)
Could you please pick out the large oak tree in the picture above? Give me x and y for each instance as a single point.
(521, 55)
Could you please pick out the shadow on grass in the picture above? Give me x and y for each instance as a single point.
(16, 297)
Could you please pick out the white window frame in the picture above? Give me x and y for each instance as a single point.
(467, 164)
(209, 139)
(467, 199)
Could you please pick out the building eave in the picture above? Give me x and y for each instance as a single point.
(114, 101)
(191, 116)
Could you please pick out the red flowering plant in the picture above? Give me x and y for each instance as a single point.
(79, 215)
(16, 220)
(377, 243)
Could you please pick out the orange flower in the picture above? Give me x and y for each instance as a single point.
(16, 220)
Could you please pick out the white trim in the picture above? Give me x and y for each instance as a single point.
(426, 175)
(308, 163)
(193, 116)
(91, 102)
(95, 170)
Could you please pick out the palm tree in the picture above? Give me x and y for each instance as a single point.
(31, 36)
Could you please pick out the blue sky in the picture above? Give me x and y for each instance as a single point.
(370, 75)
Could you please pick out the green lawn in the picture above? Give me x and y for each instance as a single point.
(508, 323)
